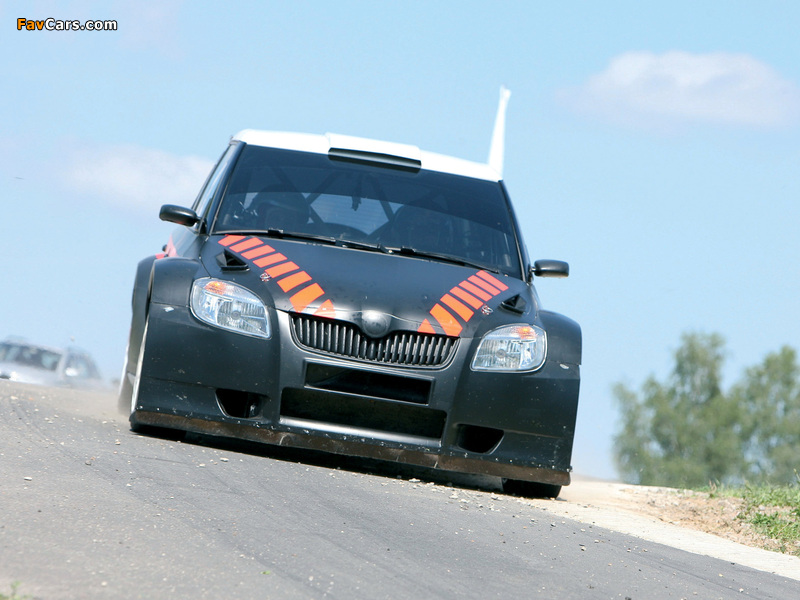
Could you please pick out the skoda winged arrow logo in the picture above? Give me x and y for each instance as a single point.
(375, 324)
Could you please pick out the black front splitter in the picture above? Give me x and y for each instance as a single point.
(368, 448)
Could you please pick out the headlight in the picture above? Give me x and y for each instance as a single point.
(229, 306)
(511, 348)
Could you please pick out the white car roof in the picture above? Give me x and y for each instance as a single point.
(322, 144)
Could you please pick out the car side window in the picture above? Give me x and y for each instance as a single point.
(79, 366)
(203, 201)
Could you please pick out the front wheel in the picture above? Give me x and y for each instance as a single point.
(531, 489)
(136, 380)
(125, 392)
(126, 382)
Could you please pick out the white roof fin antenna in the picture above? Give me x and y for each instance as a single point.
(497, 148)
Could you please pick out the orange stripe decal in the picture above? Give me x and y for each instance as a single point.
(282, 269)
(480, 282)
(269, 260)
(493, 280)
(462, 310)
(326, 310)
(230, 239)
(255, 253)
(446, 320)
(306, 296)
(475, 290)
(468, 298)
(426, 327)
(246, 245)
(292, 281)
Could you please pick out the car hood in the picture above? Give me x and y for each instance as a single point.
(25, 374)
(377, 291)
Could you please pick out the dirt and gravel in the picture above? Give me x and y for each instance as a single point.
(693, 521)
(685, 508)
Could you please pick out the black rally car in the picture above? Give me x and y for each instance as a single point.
(356, 297)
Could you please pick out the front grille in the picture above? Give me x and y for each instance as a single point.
(404, 348)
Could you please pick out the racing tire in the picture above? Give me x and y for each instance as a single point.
(125, 392)
(136, 426)
(531, 489)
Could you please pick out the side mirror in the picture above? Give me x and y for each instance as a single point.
(178, 214)
(550, 268)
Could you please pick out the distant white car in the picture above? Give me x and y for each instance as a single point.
(42, 365)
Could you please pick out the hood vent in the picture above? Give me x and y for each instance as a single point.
(515, 304)
(228, 261)
(401, 348)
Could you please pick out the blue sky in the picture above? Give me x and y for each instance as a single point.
(654, 147)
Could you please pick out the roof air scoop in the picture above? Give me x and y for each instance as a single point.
(355, 149)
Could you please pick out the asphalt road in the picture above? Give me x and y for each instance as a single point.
(91, 510)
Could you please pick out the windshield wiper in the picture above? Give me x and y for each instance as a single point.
(296, 235)
(313, 237)
(456, 260)
(280, 233)
(363, 246)
(333, 241)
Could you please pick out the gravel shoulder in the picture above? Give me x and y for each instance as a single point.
(691, 521)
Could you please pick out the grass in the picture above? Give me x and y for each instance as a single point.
(14, 595)
(773, 511)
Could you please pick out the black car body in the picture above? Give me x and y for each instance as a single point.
(360, 298)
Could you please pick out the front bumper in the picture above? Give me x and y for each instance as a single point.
(207, 380)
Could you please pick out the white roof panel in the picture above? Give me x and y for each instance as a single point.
(321, 144)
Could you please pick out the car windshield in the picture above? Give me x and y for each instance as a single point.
(29, 356)
(427, 211)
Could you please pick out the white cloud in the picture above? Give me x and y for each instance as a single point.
(151, 25)
(659, 89)
(135, 177)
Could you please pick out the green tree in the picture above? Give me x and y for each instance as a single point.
(770, 397)
(684, 432)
